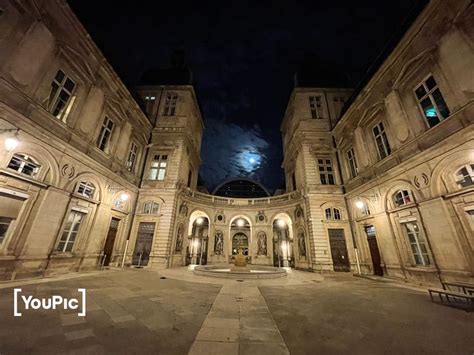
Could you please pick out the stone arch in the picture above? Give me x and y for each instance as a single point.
(197, 213)
(49, 172)
(87, 176)
(394, 186)
(286, 217)
(443, 174)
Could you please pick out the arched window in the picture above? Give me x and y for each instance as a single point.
(402, 197)
(86, 189)
(465, 176)
(332, 214)
(24, 164)
(151, 207)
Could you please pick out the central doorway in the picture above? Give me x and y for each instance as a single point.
(337, 241)
(374, 250)
(110, 241)
(199, 241)
(141, 255)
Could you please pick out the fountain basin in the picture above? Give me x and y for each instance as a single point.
(246, 272)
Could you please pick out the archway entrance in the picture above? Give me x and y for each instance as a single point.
(374, 250)
(282, 250)
(240, 241)
(240, 233)
(199, 238)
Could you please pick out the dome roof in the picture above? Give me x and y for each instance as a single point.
(241, 188)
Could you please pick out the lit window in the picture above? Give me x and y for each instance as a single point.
(23, 164)
(170, 105)
(326, 173)
(431, 101)
(417, 244)
(316, 106)
(71, 229)
(332, 214)
(402, 197)
(465, 176)
(86, 189)
(105, 134)
(4, 225)
(61, 95)
(151, 207)
(158, 167)
(352, 162)
(383, 147)
(132, 157)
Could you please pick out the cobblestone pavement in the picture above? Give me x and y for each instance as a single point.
(138, 311)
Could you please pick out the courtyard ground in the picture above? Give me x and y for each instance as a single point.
(176, 312)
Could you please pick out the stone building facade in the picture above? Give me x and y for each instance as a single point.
(378, 181)
(68, 188)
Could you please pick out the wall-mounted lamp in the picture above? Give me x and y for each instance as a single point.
(240, 222)
(359, 204)
(11, 142)
(200, 220)
(281, 223)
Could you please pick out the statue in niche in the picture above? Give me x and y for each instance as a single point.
(261, 243)
(179, 239)
(219, 243)
(183, 209)
(301, 244)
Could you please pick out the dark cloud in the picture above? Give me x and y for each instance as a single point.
(243, 55)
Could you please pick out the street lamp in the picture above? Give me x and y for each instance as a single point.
(281, 223)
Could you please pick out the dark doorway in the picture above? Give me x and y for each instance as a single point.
(141, 255)
(110, 241)
(374, 250)
(340, 260)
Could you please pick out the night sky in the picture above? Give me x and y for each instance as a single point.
(243, 55)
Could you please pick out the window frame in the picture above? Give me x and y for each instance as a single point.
(406, 198)
(104, 128)
(7, 230)
(132, 163)
(317, 112)
(352, 163)
(54, 100)
(382, 134)
(333, 214)
(417, 242)
(170, 106)
(70, 231)
(429, 95)
(24, 162)
(87, 186)
(327, 174)
(470, 175)
(159, 167)
(154, 208)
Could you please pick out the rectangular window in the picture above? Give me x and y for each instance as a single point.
(4, 225)
(383, 147)
(316, 106)
(149, 102)
(61, 95)
(132, 157)
(326, 173)
(86, 189)
(431, 101)
(171, 101)
(105, 134)
(71, 229)
(352, 162)
(417, 244)
(23, 164)
(158, 167)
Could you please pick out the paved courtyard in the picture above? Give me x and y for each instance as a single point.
(175, 312)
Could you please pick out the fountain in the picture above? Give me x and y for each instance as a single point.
(240, 270)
